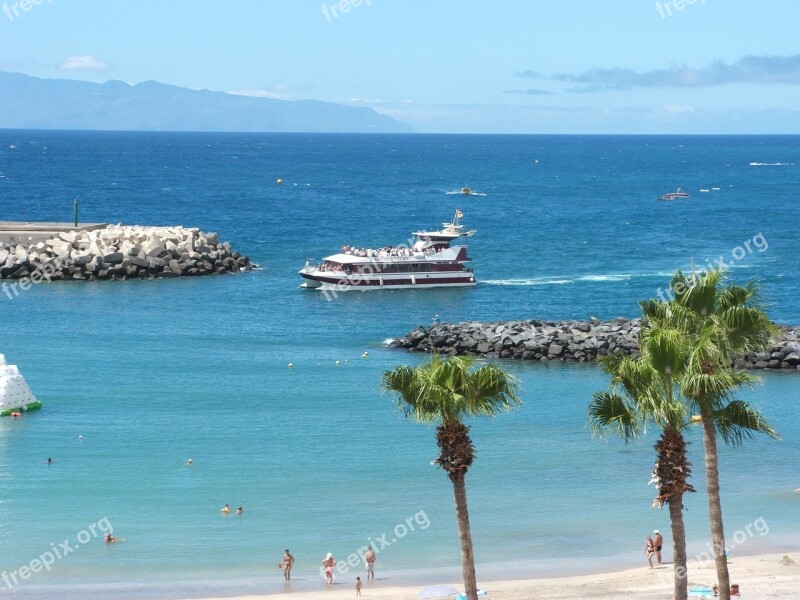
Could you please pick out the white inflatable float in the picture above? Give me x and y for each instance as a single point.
(15, 395)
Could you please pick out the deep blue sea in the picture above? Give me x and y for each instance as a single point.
(137, 377)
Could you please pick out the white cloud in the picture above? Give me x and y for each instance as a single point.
(748, 69)
(677, 109)
(85, 62)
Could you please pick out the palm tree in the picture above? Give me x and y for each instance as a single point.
(446, 392)
(717, 322)
(643, 390)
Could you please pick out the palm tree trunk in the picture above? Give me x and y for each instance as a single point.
(462, 517)
(714, 503)
(679, 547)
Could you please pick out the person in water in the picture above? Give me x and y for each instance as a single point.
(189, 463)
(369, 559)
(328, 562)
(288, 561)
(239, 510)
(225, 509)
(110, 539)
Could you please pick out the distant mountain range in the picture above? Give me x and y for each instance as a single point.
(35, 103)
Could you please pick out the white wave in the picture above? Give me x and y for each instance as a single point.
(776, 164)
(387, 341)
(528, 282)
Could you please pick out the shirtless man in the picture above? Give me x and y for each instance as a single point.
(659, 542)
(288, 561)
(369, 558)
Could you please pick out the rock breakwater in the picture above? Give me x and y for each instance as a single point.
(569, 341)
(122, 252)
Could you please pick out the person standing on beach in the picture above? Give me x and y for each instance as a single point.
(649, 550)
(369, 558)
(358, 586)
(328, 563)
(659, 542)
(288, 561)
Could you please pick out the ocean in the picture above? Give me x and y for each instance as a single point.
(138, 377)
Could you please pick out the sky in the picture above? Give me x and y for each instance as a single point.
(500, 66)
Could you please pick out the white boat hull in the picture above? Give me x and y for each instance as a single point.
(323, 281)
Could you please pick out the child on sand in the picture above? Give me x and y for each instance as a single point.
(358, 586)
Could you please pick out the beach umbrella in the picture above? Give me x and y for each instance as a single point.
(437, 591)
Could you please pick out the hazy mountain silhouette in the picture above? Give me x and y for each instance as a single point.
(35, 103)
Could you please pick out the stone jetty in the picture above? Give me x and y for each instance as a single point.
(120, 252)
(569, 341)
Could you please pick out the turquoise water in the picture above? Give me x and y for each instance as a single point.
(153, 373)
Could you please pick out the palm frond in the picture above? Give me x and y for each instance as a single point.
(449, 390)
(609, 411)
(738, 421)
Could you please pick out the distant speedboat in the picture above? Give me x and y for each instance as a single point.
(465, 191)
(677, 195)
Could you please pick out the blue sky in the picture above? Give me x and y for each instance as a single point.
(514, 66)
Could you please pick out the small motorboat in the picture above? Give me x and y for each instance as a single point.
(465, 191)
(677, 195)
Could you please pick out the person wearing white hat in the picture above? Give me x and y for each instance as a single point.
(328, 563)
(659, 542)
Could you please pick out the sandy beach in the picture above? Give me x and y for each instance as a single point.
(766, 577)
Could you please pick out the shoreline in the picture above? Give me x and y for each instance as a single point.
(764, 576)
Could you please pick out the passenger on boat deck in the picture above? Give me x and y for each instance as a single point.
(373, 253)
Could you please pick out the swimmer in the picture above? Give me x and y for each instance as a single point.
(110, 539)
(225, 509)
(188, 463)
(239, 510)
(49, 461)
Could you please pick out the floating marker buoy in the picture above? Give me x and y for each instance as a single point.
(337, 362)
(280, 181)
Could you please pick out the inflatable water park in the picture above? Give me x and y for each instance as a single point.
(15, 395)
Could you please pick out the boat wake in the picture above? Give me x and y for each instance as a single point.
(536, 281)
(460, 193)
(527, 282)
(776, 164)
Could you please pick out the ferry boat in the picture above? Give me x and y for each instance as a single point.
(676, 195)
(15, 395)
(435, 259)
